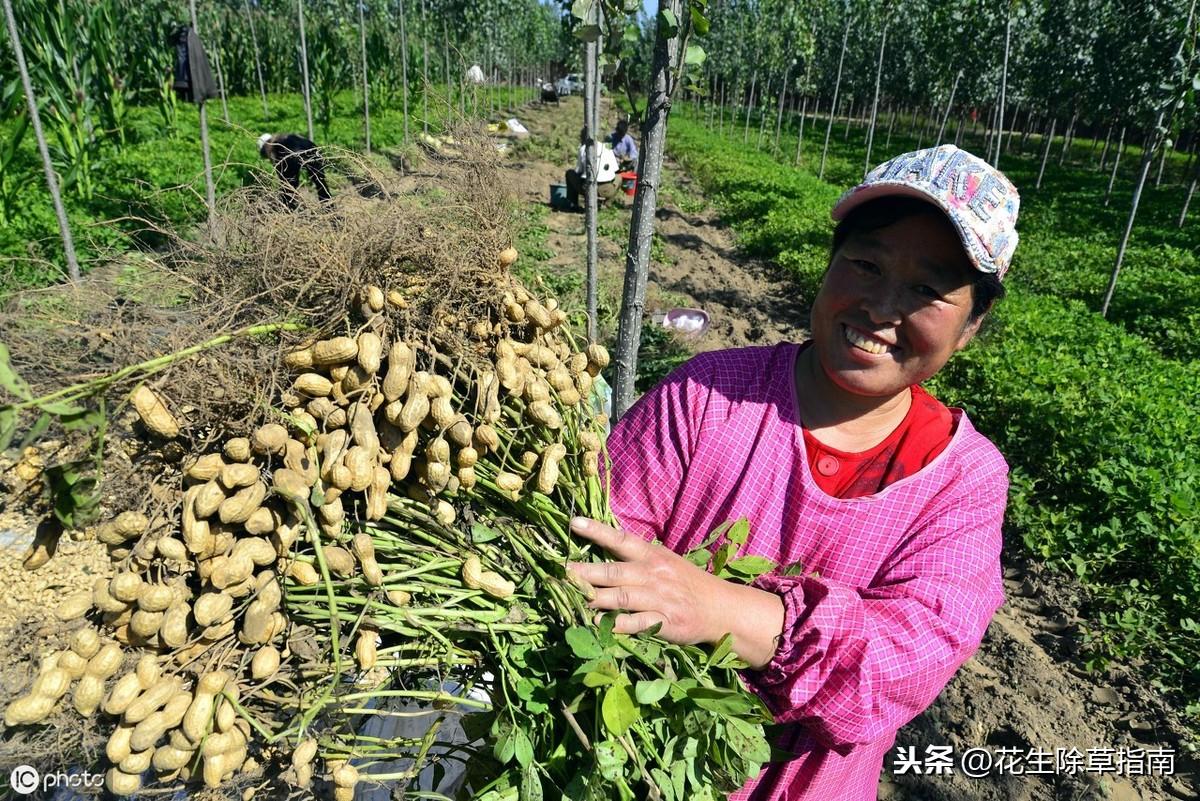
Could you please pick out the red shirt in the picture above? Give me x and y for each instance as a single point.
(923, 433)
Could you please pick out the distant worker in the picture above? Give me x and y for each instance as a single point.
(606, 173)
(291, 153)
(623, 146)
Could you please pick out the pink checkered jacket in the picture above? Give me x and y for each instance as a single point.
(898, 587)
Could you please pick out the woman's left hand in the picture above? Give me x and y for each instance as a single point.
(653, 584)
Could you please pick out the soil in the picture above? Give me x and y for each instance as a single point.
(1026, 689)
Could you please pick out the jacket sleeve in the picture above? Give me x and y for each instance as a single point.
(854, 665)
(651, 447)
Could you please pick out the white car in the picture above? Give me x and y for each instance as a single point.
(569, 85)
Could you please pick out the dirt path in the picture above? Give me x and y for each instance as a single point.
(1025, 690)
(748, 303)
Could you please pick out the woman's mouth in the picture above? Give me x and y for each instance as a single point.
(864, 342)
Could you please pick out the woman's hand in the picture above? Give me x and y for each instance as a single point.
(652, 584)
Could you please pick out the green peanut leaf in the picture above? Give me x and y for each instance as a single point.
(531, 785)
(652, 691)
(618, 709)
(583, 643)
(522, 747)
(9, 380)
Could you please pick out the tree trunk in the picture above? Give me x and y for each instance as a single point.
(641, 227)
(64, 227)
(849, 114)
(927, 126)
(1070, 133)
(800, 135)
(1116, 163)
(1147, 157)
(262, 86)
(891, 121)
(1046, 152)
(362, 40)
(425, 68)
(787, 72)
(949, 105)
(221, 83)
(1104, 152)
(875, 102)
(837, 85)
(1162, 160)
(1012, 129)
(711, 97)
(721, 112)
(962, 118)
(749, 109)
(1187, 199)
(1029, 125)
(404, 69)
(303, 69)
(912, 126)
(591, 54)
(1003, 89)
(762, 113)
(446, 71)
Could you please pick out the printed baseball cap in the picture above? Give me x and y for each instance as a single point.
(979, 200)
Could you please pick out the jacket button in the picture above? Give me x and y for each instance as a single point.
(827, 465)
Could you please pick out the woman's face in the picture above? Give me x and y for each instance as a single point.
(894, 306)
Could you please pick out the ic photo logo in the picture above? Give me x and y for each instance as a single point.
(24, 779)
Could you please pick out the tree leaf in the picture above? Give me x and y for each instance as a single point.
(699, 22)
(651, 691)
(668, 23)
(588, 33)
(618, 709)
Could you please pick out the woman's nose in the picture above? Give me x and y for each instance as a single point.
(882, 307)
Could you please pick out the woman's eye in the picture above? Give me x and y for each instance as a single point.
(928, 292)
(865, 266)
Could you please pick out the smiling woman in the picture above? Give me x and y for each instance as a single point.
(886, 504)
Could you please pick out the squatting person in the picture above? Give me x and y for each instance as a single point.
(290, 154)
(606, 173)
(890, 503)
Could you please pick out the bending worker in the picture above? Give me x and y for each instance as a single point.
(606, 173)
(884, 504)
(291, 153)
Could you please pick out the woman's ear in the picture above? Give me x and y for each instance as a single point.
(969, 331)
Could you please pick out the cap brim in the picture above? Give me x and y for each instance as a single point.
(853, 200)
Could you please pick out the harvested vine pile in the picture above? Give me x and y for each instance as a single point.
(338, 460)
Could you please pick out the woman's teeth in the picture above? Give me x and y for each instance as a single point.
(865, 343)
